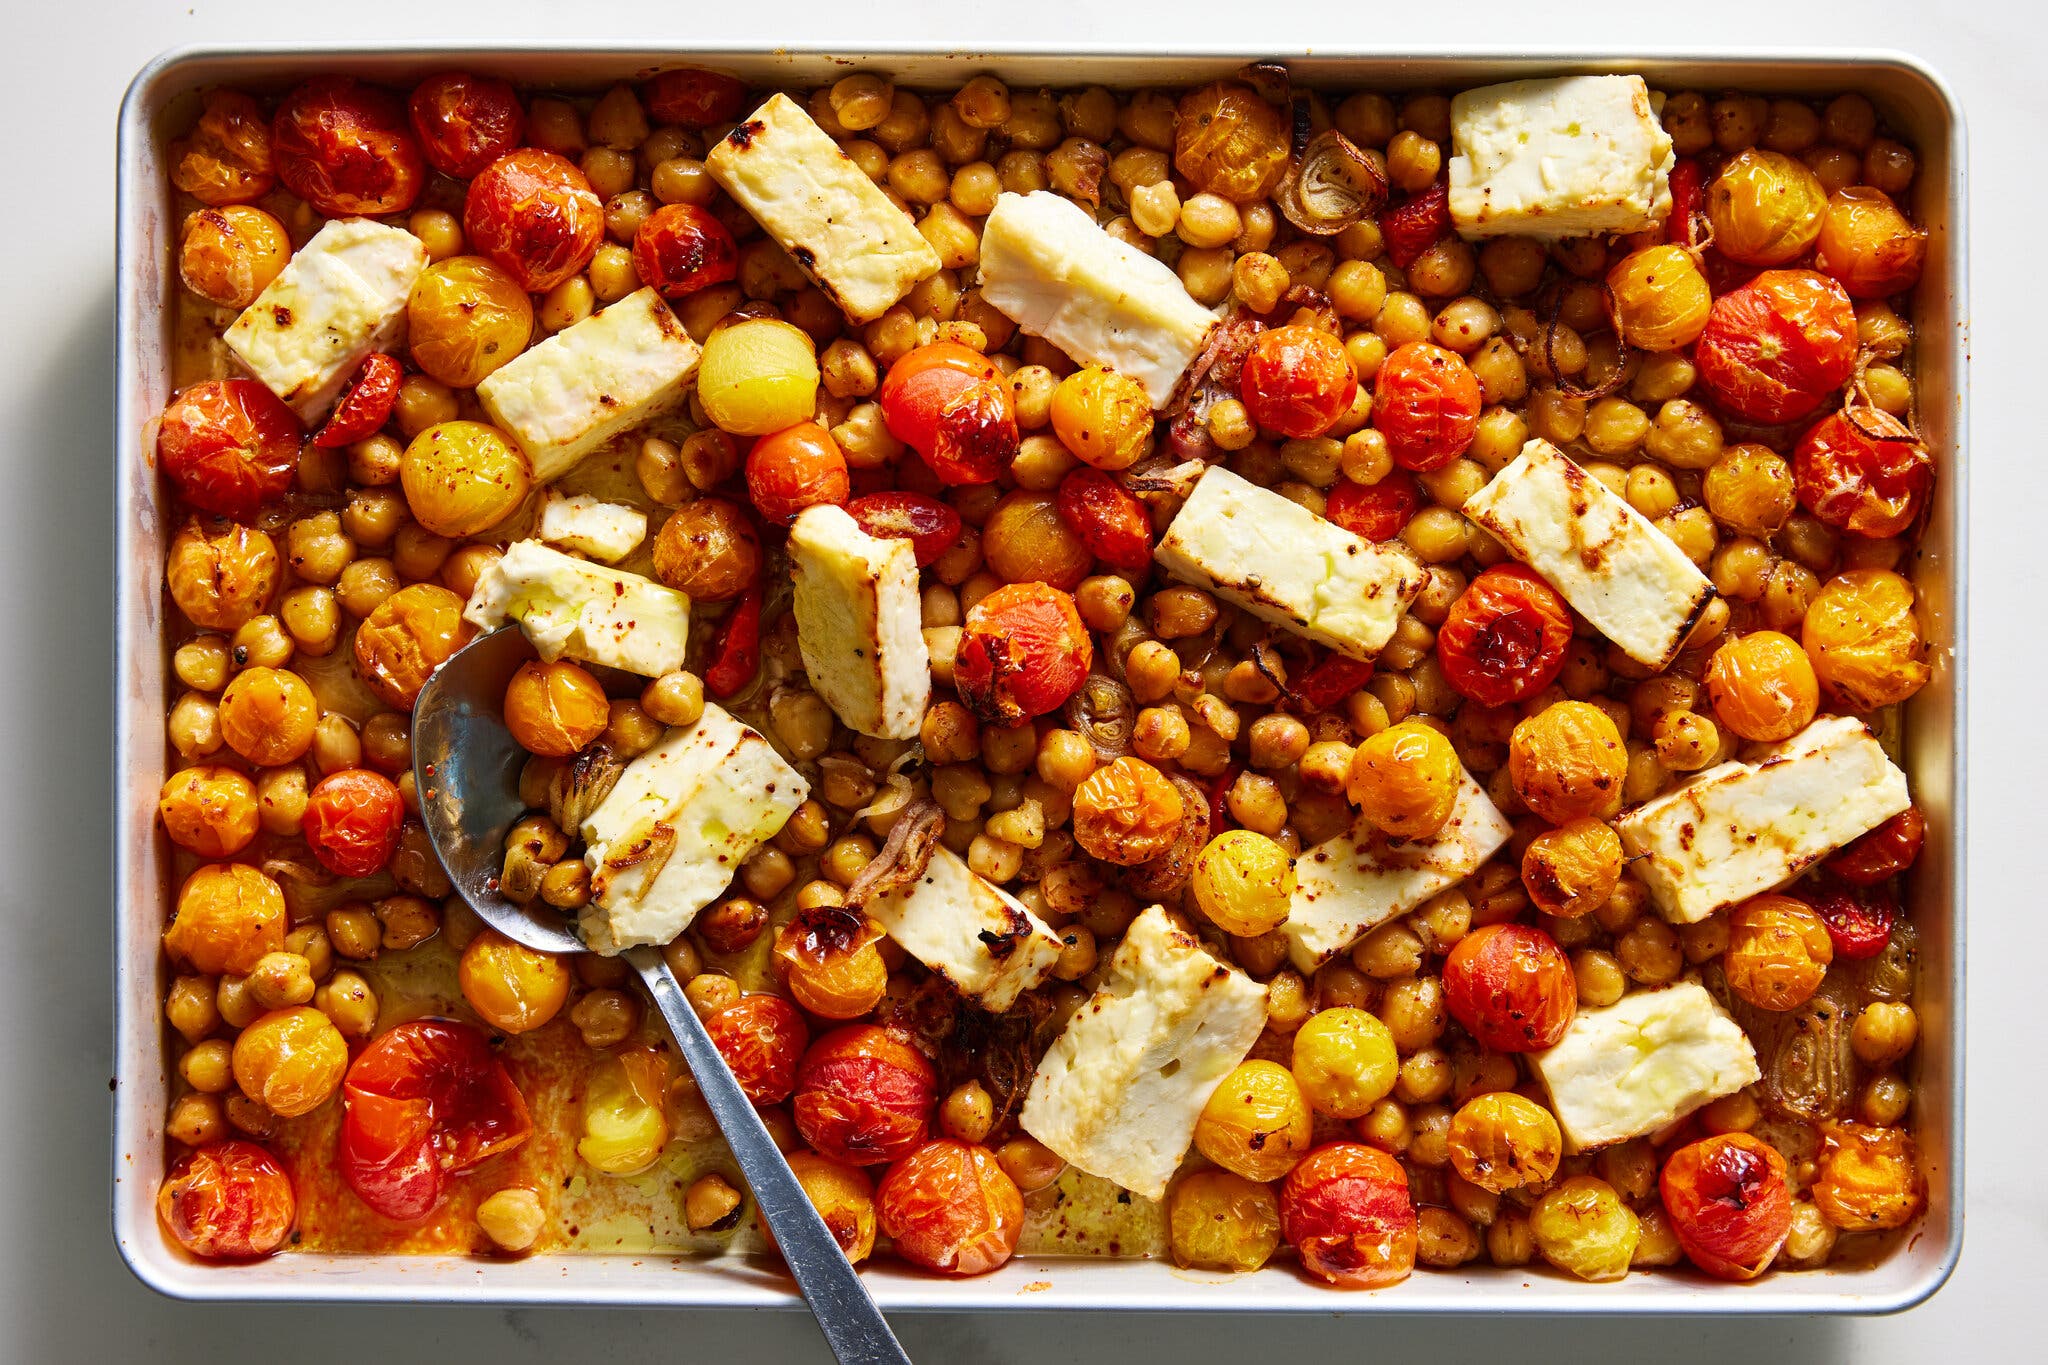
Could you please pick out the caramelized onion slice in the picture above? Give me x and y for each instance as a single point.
(580, 785)
(1105, 713)
(905, 854)
(1332, 185)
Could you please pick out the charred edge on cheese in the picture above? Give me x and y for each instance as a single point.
(742, 136)
(1015, 930)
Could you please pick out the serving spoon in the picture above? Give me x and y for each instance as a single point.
(466, 765)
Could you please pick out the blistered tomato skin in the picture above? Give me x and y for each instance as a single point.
(1869, 1178)
(1883, 853)
(1865, 639)
(465, 122)
(365, 405)
(1858, 920)
(228, 1201)
(1777, 348)
(1867, 244)
(1505, 638)
(1347, 1210)
(864, 1095)
(680, 248)
(1766, 208)
(1297, 381)
(353, 819)
(1425, 401)
(708, 548)
(534, 213)
(1375, 511)
(1414, 227)
(1863, 471)
(1023, 652)
(830, 962)
(1778, 952)
(227, 158)
(1127, 813)
(949, 1207)
(951, 405)
(931, 527)
(1109, 519)
(1219, 1221)
(1729, 1203)
(795, 468)
(409, 635)
(1511, 986)
(1763, 686)
(230, 445)
(345, 148)
(761, 1037)
(694, 98)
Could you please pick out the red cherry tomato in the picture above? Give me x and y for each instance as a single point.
(695, 98)
(1859, 920)
(864, 1095)
(1862, 472)
(1883, 853)
(353, 819)
(1297, 381)
(1511, 986)
(1729, 1203)
(345, 148)
(1425, 401)
(1688, 199)
(680, 248)
(230, 445)
(950, 1207)
(1505, 638)
(365, 404)
(1023, 652)
(1111, 522)
(762, 1038)
(1778, 347)
(951, 405)
(1347, 1210)
(795, 468)
(425, 1101)
(465, 122)
(736, 652)
(534, 214)
(227, 1201)
(931, 527)
(1331, 681)
(1414, 227)
(1375, 511)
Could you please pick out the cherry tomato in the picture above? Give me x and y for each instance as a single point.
(1688, 198)
(1023, 652)
(1347, 1209)
(1425, 401)
(1862, 471)
(931, 527)
(736, 652)
(1414, 227)
(1505, 638)
(230, 445)
(344, 148)
(353, 819)
(465, 122)
(864, 1095)
(695, 98)
(535, 215)
(227, 1201)
(1729, 1203)
(425, 1101)
(1109, 519)
(795, 468)
(365, 405)
(1375, 511)
(1297, 381)
(1331, 681)
(951, 405)
(1511, 986)
(950, 1207)
(761, 1037)
(1885, 852)
(1778, 347)
(1859, 920)
(227, 158)
(680, 248)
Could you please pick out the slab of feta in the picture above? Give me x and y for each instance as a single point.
(569, 606)
(1741, 829)
(1120, 1090)
(1047, 267)
(1359, 880)
(970, 931)
(1559, 158)
(608, 531)
(860, 623)
(666, 841)
(834, 222)
(1643, 1062)
(1283, 563)
(1616, 569)
(339, 299)
(611, 372)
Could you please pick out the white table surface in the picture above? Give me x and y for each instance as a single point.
(64, 1296)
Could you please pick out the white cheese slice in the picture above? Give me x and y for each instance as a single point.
(340, 299)
(1362, 878)
(1740, 829)
(860, 623)
(615, 370)
(1643, 1062)
(973, 933)
(1119, 1091)
(667, 839)
(1047, 267)
(1616, 569)
(1566, 157)
(569, 606)
(607, 531)
(834, 222)
(1283, 563)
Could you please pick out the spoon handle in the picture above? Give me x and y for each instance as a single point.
(853, 1326)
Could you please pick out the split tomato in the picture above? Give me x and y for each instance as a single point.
(1778, 347)
(227, 1201)
(1348, 1210)
(1109, 519)
(1417, 225)
(951, 405)
(1859, 920)
(761, 1037)
(680, 248)
(1885, 852)
(365, 405)
(1023, 652)
(1729, 1203)
(1863, 471)
(465, 122)
(695, 98)
(535, 215)
(346, 149)
(931, 527)
(1297, 381)
(353, 819)
(1505, 638)
(1375, 511)
(230, 445)
(1425, 401)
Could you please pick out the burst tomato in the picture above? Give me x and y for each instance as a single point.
(365, 405)
(950, 1207)
(1425, 401)
(1688, 198)
(931, 527)
(761, 1037)
(1023, 652)
(1297, 381)
(1505, 638)
(535, 215)
(230, 445)
(1417, 225)
(951, 405)
(425, 1101)
(694, 97)
(680, 248)
(1331, 681)
(465, 122)
(1375, 511)
(1859, 920)
(1108, 518)
(227, 1201)
(226, 159)
(1862, 471)
(344, 148)
(1511, 986)
(795, 468)
(1776, 348)
(864, 1095)
(1885, 852)
(1347, 1209)
(1729, 1203)
(353, 819)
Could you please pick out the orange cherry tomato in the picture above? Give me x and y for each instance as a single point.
(1297, 381)
(931, 527)
(950, 1207)
(695, 98)
(1511, 986)
(535, 215)
(680, 248)
(1729, 1203)
(425, 1101)
(1023, 652)
(465, 122)
(761, 1037)
(1375, 511)
(795, 468)
(1347, 1209)
(227, 158)
(1111, 522)
(353, 819)
(830, 961)
(1778, 347)
(345, 148)
(951, 405)
(1883, 853)
(1862, 471)
(365, 405)
(227, 1201)
(1505, 638)
(1425, 401)
(864, 1095)
(230, 445)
